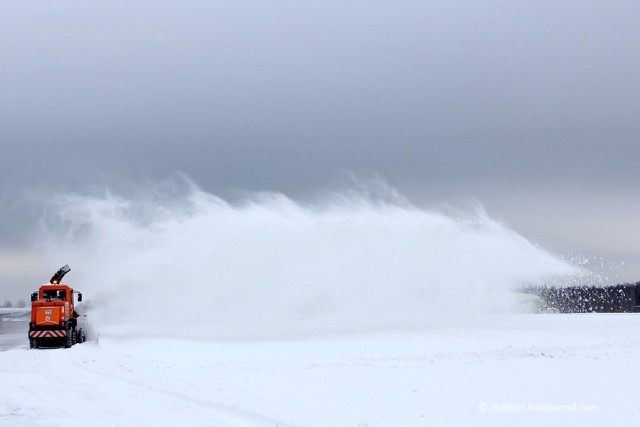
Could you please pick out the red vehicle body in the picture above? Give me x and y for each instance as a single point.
(54, 321)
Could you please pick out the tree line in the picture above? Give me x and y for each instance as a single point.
(623, 298)
(19, 304)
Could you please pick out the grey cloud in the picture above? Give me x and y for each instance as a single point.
(441, 98)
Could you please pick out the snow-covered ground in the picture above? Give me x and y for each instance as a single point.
(518, 370)
(353, 310)
(14, 312)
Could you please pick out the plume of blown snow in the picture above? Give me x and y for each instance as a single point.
(188, 263)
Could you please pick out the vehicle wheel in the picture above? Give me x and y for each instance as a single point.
(74, 337)
(81, 338)
(32, 343)
(68, 340)
(37, 342)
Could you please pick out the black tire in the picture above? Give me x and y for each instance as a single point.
(68, 340)
(32, 343)
(81, 337)
(74, 337)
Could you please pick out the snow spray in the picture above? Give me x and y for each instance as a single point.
(190, 264)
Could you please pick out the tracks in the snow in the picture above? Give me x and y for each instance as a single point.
(210, 411)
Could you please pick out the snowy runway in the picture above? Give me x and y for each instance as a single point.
(520, 370)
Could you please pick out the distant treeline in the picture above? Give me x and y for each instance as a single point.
(9, 304)
(624, 298)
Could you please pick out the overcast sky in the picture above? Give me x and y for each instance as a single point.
(529, 106)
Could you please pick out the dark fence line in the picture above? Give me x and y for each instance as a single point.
(624, 298)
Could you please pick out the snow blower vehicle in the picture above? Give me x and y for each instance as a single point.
(54, 320)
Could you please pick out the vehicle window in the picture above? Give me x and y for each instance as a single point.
(54, 293)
